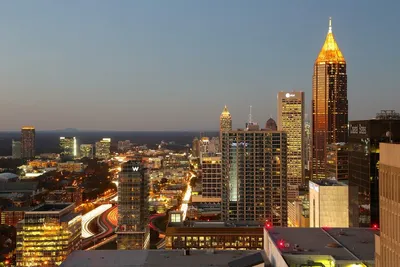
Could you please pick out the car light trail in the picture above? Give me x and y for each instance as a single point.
(88, 217)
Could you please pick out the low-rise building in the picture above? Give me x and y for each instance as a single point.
(215, 235)
(161, 258)
(70, 166)
(12, 215)
(346, 247)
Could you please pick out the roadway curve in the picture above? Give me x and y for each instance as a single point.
(107, 228)
(151, 222)
(112, 216)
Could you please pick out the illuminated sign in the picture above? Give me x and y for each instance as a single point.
(358, 129)
(314, 187)
(290, 95)
(135, 169)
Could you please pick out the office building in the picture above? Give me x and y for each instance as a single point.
(291, 120)
(48, 234)
(12, 215)
(364, 139)
(133, 206)
(28, 142)
(387, 252)
(307, 145)
(329, 203)
(124, 146)
(254, 175)
(323, 247)
(299, 213)
(68, 148)
(270, 125)
(225, 123)
(86, 151)
(211, 177)
(103, 148)
(337, 161)
(214, 235)
(196, 148)
(329, 103)
(16, 149)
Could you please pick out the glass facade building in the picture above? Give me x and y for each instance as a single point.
(133, 206)
(48, 234)
(364, 139)
(103, 148)
(329, 103)
(291, 120)
(68, 148)
(254, 176)
(337, 161)
(225, 123)
(86, 151)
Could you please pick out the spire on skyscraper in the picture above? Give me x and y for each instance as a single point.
(330, 51)
(225, 111)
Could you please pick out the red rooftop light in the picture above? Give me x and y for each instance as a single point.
(375, 226)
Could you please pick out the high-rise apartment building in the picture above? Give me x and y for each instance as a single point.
(86, 151)
(254, 175)
(291, 120)
(211, 179)
(133, 207)
(329, 103)
(16, 149)
(387, 250)
(103, 148)
(307, 144)
(68, 148)
(337, 161)
(225, 123)
(48, 234)
(28, 142)
(364, 139)
(329, 203)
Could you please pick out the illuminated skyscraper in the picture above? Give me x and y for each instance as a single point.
(133, 207)
(86, 151)
(16, 149)
(225, 123)
(68, 148)
(103, 148)
(329, 103)
(291, 120)
(28, 142)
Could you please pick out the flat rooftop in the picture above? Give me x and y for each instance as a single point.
(328, 182)
(341, 243)
(51, 207)
(215, 228)
(153, 258)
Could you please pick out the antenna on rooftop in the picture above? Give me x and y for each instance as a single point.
(250, 118)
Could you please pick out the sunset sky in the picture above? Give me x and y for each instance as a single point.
(173, 65)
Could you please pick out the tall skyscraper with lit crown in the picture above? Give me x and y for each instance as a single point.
(329, 103)
(225, 123)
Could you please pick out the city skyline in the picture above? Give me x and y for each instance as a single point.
(118, 61)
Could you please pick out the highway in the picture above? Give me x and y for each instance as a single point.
(186, 198)
(91, 215)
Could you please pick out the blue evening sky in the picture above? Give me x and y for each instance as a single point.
(173, 65)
